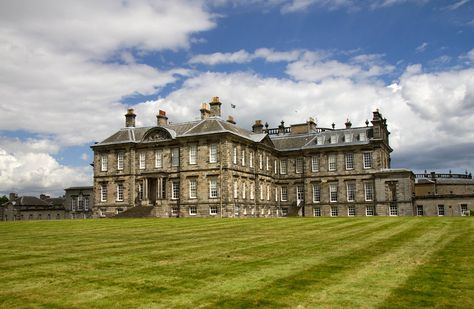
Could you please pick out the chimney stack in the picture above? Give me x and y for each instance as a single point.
(230, 119)
(44, 197)
(12, 196)
(311, 124)
(257, 127)
(161, 118)
(205, 112)
(130, 118)
(215, 107)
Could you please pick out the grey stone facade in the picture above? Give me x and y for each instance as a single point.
(79, 202)
(213, 168)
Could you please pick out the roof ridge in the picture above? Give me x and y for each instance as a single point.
(199, 122)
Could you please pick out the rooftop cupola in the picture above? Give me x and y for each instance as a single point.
(161, 118)
(215, 105)
(130, 118)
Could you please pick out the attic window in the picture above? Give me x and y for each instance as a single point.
(362, 137)
(333, 139)
(320, 140)
(348, 138)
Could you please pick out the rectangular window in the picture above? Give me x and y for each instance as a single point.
(268, 192)
(103, 192)
(103, 163)
(192, 188)
(141, 160)
(236, 189)
(73, 203)
(119, 192)
(334, 211)
(362, 137)
(419, 210)
(349, 161)
(275, 166)
(120, 157)
(348, 138)
(251, 159)
(333, 192)
(193, 154)
(252, 190)
(367, 160)
(175, 156)
(299, 193)
(244, 190)
(440, 210)
(261, 192)
(276, 194)
(213, 153)
(175, 189)
(243, 157)
(213, 188)
(314, 164)
(334, 139)
(317, 211)
(267, 163)
(140, 191)
(260, 161)
(234, 155)
(370, 211)
(299, 165)
(464, 211)
(393, 210)
(86, 203)
(80, 202)
(320, 140)
(351, 210)
(369, 191)
(332, 162)
(192, 210)
(213, 210)
(284, 194)
(158, 158)
(316, 193)
(283, 167)
(351, 191)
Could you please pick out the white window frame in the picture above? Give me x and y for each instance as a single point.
(213, 210)
(120, 160)
(351, 211)
(316, 193)
(141, 160)
(334, 138)
(268, 192)
(300, 193)
(251, 159)
(334, 211)
(367, 160)
(284, 193)
(213, 188)
(314, 164)
(369, 191)
(192, 188)
(393, 210)
(320, 140)
(119, 192)
(267, 163)
(351, 191)
(193, 150)
(332, 162)
(175, 189)
(276, 194)
(333, 194)
(213, 153)
(260, 161)
(283, 167)
(242, 161)
(175, 156)
(103, 192)
(234, 155)
(370, 210)
(103, 162)
(362, 137)
(443, 212)
(192, 210)
(158, 158)
(349, 161)
(317, 211)
(252, 190)
(348, 138)
(299, 164)
(275, 167)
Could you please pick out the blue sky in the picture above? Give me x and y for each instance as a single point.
(70, 70)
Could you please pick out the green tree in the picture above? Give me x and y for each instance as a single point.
(3, 199)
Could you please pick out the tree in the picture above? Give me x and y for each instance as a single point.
(3, 199)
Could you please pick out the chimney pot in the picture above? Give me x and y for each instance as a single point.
(257, 127)
(205, 112)
(130, 118)
(230, 119)
(215, 107)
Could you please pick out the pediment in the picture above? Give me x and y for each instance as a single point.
(158, 134)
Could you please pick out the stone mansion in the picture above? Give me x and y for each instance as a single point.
(213, 168)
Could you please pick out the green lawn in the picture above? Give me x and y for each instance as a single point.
(225, 263)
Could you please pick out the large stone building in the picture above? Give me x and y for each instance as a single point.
(212, 167)
(79, 201)
(32, 208)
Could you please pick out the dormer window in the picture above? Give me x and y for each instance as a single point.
(334, 139)
(362, 137)
(320, 140)
(348, 138)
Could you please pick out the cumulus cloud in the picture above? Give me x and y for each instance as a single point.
(27, 167)
(56, 74)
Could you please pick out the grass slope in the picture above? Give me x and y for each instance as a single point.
(205, 263)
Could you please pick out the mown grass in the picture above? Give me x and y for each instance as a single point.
(206, 263)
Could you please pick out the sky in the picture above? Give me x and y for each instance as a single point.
(70, 70)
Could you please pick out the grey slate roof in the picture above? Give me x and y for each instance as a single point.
(211, 125)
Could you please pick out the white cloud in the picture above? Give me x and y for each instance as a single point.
(242, 56)
(56, 77)
(456, 5)
(422, 47)
(27, 167)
